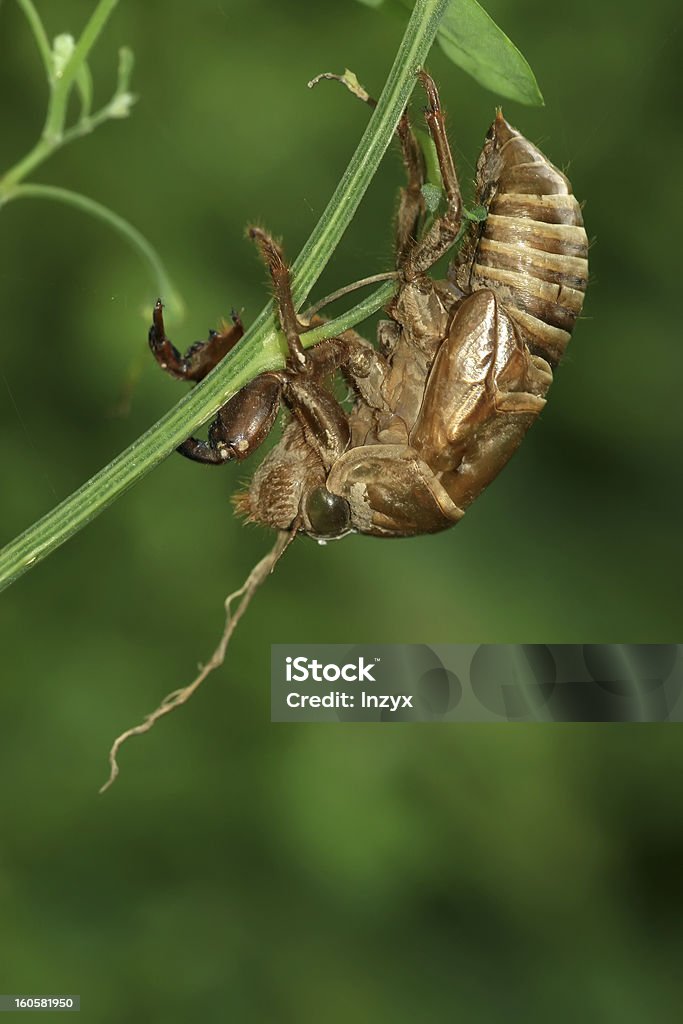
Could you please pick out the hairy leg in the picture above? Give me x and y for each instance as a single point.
(444, 231)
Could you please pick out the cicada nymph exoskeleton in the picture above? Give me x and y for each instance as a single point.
(462, 367)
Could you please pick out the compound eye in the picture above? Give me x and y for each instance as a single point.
(328, 514)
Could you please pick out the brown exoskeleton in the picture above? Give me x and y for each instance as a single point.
(462, 369)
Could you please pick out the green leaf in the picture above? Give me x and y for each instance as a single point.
(432, 196)
(474, 42)
(476, 214)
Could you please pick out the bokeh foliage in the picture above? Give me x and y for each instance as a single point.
(245, 870)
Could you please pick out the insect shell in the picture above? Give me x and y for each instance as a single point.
(461, 372)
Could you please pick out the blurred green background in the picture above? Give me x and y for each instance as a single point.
(250, 872)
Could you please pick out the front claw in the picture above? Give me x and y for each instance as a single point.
(241, 426)
(201, 357)
(202, 451)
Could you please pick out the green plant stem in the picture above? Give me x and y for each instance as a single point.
(53, 135)
(87, 124)
(377, 300)
(40, 152)
(39, 34)
(126, 230)
(261, 348)
(56, 115)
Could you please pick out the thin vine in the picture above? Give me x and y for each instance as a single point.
(65, 62)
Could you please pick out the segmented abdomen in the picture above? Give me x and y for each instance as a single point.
(532, 251)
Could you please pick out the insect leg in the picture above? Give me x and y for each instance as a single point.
(362, 366)
(242, 423)
(445, 228)
(324, 422)
(279, 272)
(411, 203)
(201, 357)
